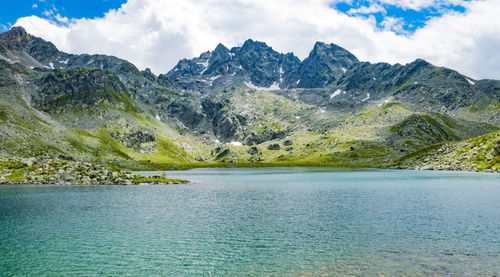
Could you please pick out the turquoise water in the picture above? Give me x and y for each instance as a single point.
(255, 222)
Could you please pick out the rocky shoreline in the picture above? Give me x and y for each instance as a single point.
(69, 172)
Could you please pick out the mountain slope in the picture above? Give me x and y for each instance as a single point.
(476, 154)
(247, 105)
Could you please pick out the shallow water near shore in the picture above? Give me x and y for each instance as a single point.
(258, 221)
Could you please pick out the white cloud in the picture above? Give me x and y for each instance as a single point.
(46, 13)
(61, 19)
(394, 24)
(34, 6)
(157, 34)
(410, 4)
(375, 8)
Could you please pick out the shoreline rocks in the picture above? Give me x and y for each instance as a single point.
(66, 172)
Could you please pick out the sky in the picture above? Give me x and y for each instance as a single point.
(460, 34)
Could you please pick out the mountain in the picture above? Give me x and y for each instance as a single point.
(248, 105)
(258, 66)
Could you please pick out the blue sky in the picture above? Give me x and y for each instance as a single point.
(405, 20)
(14, 9)
(397, 18)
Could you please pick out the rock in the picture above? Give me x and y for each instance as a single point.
(255, 159)
(223, 154)
(66, 158)
(287, 142)
(254, 150)
(216, 151)
(274, 146)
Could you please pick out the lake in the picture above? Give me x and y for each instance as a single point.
(258, 222)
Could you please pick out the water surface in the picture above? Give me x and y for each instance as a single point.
(254, 222)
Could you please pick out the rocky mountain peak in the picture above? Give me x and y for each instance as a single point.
(333, 52)
(16, 33)
(252, 45)
(260, 66)
(418, 63)
(325, 64)
(220, 49)
(217, 64)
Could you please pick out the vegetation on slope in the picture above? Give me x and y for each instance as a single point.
(477, 154)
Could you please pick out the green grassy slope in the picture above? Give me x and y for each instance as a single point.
(479, 154)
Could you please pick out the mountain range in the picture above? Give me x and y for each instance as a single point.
(244, 106)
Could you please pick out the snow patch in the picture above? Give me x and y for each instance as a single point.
(205, 66)
(281, 70)
(9, 60)
(297, 117)
(337, 92)
(231, 54)
(158, 117)
(375, 79)
(415, 83)
(322, 111)
(236, 143)
(217, 141)
(51, 65)
(91, 61)
(343, 69)
(274, 86)
(470, 81)
(385, 101)
(367, 97)
(64, 62)
(240, 67)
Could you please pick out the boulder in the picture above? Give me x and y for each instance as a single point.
(254, 150)
(274, 146)
(287, 142)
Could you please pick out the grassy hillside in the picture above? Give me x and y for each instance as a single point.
(477, 154)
